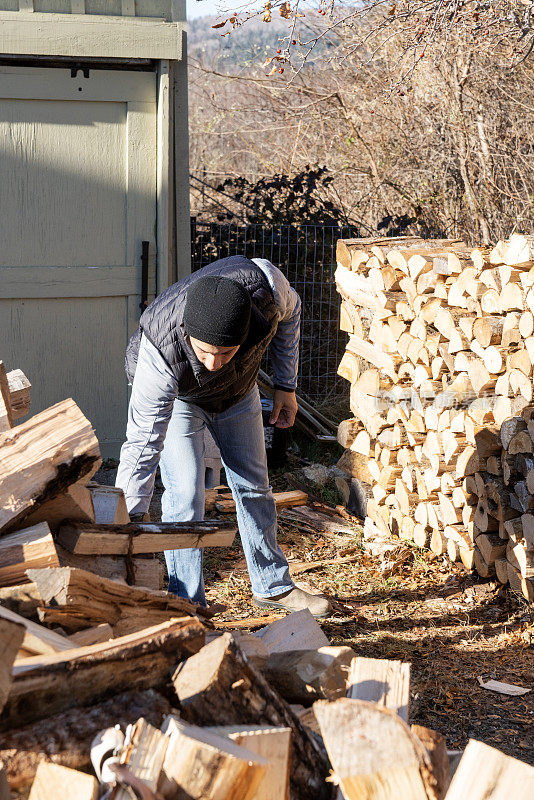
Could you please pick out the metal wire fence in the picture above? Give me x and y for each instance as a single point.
(306, 254)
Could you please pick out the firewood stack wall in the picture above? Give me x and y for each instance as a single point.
(440, 363)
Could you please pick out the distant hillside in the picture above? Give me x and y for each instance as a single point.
(249, 44)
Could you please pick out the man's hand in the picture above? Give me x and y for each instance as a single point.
(284, 409)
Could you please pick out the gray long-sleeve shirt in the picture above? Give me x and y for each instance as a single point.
(155, 389)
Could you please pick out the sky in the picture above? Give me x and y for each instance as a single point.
(200, 8)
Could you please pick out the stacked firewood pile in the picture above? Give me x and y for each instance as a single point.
(111, 687)
(440, 361)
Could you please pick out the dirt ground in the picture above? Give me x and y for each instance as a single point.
(452, 627)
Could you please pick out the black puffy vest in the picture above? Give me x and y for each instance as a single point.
(162, 324)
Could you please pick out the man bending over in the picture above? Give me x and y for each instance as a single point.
(193, 364)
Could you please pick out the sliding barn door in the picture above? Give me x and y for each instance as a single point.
(77, 200)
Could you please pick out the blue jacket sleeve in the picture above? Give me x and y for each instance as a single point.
(284, 348)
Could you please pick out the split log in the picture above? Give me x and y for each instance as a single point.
(436, 747)
(53, 781)
(23, 600)
(6, 413)
(100, 633)
(297, 631)
(381, 681)
(349, 319)
(82, 538)
(518, 583)
(140, 760)
(11, 636)
(484, 570)
(76, 599)
(355, 465)
(282, 500)
(44, 685)
(19, 393)
(488, 330)
(255, 650)
(500, 498)
(521, 559)
(509, 428)
(438, 543)
(75, 504)
(491, 547)
(31, 548)
(349, 366)
(373, 355)
(206, 765)
(373, 752)
(346, 432)
(520, 443)
(501, 570)
(488, 442)
(521, 499)
(467, 557)
(303, 676)
(136, 571)
(43, 456)
(273, 744)
(218, 686)
(38, 640)
(66, 738)
(484, 773)
(484, 519)
(109, 504)
(526, 530)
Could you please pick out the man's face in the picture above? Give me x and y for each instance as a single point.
(211, 356)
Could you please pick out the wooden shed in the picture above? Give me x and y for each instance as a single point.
(94, 197)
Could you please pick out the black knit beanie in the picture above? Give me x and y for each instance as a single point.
(217, 311)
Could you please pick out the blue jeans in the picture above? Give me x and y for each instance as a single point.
(238, 433)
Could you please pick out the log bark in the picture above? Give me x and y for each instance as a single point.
(44, 685)
(5, 794)
(76, 599)
(23, 600)
(487, 442)
(42, 457)
(436, 747)
(66, 738)
(6, 413)
(74, 504)
(509, 428)
(30, 548)
(84, 538)
(303, 676)
(218, 686)
(11, 636)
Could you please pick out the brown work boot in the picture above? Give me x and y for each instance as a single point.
(296, 600)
